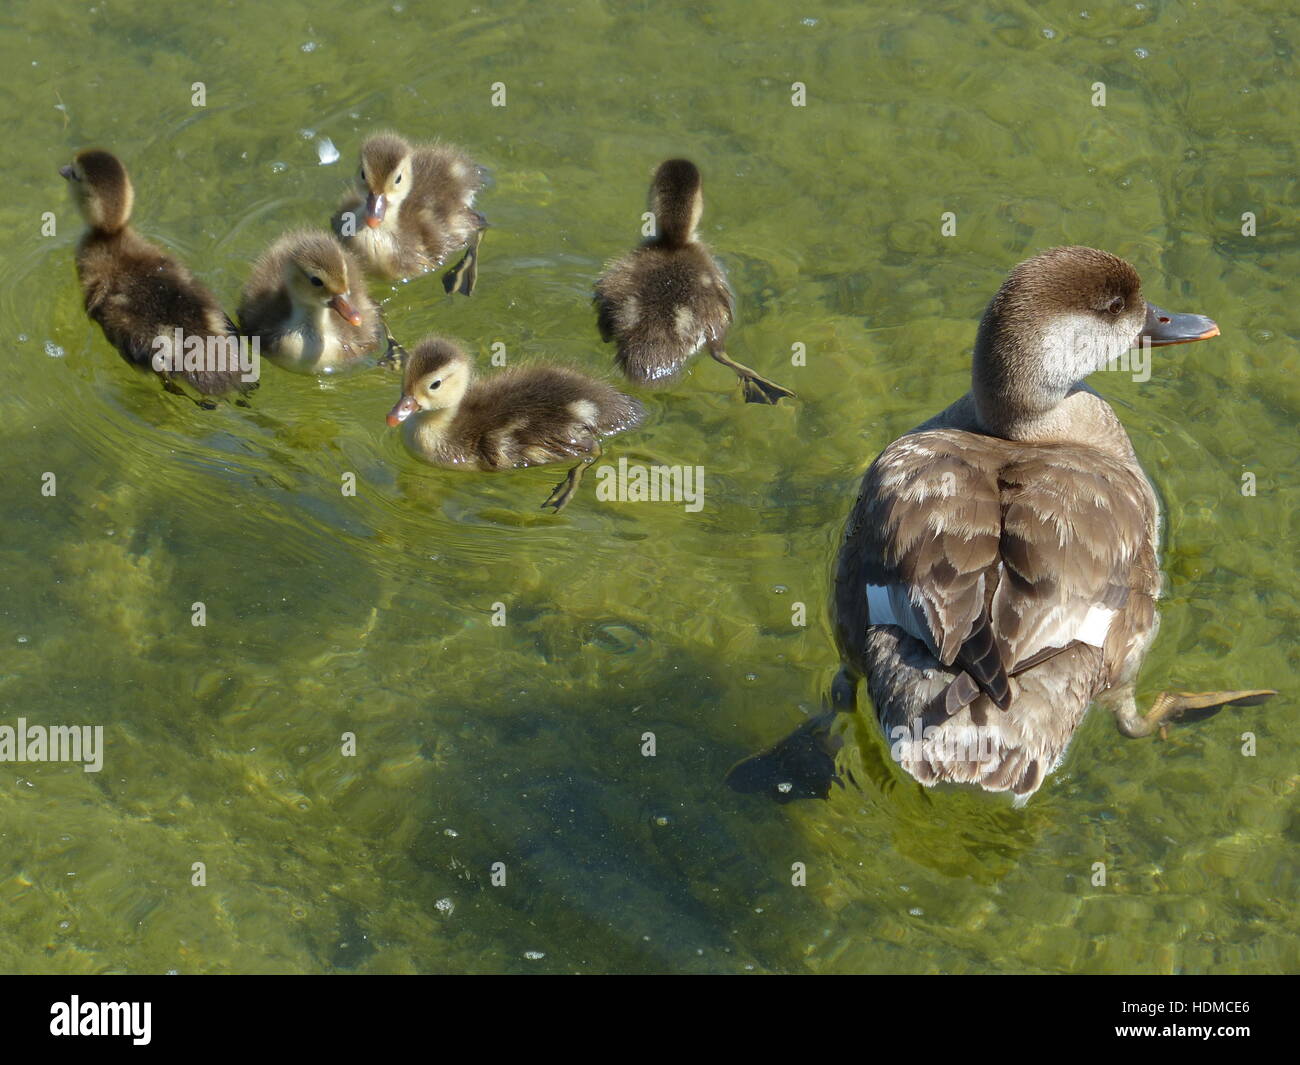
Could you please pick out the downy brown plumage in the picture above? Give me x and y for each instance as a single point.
(668, 298)
(412, 208)
(307, 301)
(526, 416)
(132, 288)
(998, 571)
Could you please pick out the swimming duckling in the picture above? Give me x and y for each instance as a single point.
(529, 416)
(412, 208)
(307, 301)
(664, 301)
(998, 571)
(140, 295)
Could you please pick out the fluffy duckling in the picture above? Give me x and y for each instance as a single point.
(664, 301)
(412, 208)
(307, 301)
(520, 417)
(138, 293)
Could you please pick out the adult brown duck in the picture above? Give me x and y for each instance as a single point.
(998, 572)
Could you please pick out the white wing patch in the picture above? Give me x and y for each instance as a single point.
(1095, 626)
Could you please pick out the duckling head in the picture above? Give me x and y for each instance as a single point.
(1058, 317)
(677, 201)
(384, 178)
(101, 188)
(318, 274)
(436, 377)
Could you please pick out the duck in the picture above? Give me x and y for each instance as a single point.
(142, 298)
(412, 208)
(668, 298)
(523, 416)
(306, 300)
(998, 571)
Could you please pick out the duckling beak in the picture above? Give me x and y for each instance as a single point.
(406, 406)
(376, 205)
(67, 173)
(340, 306)
(1165, 327)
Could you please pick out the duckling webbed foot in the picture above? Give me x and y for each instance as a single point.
(564, 491)
(757, 389)
(1169, 707)
(464, 275)
(203, 402)
(395, 357)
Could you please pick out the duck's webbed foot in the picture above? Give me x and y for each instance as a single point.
(464, 275)
(203, 402)
(801, 766)
(757, 389)
(1169, 707)
(564, 491)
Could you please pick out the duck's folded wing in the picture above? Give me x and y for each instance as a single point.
(1076, 543)
(994, 565)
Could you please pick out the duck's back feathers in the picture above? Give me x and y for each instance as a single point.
(660, 305)
(996, 558)
(137, 292)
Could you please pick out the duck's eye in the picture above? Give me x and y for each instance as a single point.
(434, 385)
(1116, 305)
(399, 180)
(363, 174)
(316, 281)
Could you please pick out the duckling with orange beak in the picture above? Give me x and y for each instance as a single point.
(412, 208)
(307, 301)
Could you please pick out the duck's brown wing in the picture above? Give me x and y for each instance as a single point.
(994, 555)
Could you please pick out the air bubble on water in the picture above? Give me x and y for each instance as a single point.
(916, 911)
(309, 46)
(1049, 33)
(534, 955)
(808, 21)
(53, 350)
(444, 907)
(1141, 53)
(780, 589)
(279, 168)
(22, 338)
(785, 788)
(23, 639)
(450, 832)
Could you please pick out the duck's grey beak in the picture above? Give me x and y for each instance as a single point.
(67, 173)
(1164, 327)
(406, 406)
(376, 206)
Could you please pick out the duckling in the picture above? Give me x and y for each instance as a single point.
(668, 298)
(140, 295)
(998, 571)
(521, 417)
(413, 207)
(307, 301)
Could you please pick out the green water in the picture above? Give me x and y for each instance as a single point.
(520, 743)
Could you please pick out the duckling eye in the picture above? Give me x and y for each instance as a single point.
(1116, 305)
(435, 385)
(399, 180)
(316, 281)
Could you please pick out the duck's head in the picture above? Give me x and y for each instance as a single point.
(677, 201)
(384, 177)
(1057, 318)
(436, 376)
(320, 273)
(101, 188)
